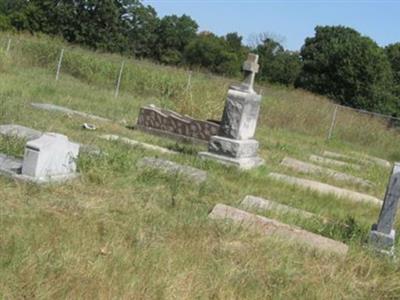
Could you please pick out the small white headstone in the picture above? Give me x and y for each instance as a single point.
(50, 155)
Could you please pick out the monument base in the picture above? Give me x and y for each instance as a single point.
(246, 163)
(381, 242)
(233, 148)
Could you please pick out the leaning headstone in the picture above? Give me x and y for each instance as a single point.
(19, 131)
(257, 203)
(382, 235)
(235, 143)
(50, 158)
(193, 174)
(272, 227)
(52, 107)
(308, 168)
(326, 189)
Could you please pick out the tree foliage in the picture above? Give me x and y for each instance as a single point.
(337, 61)
(277, 65)
(348, 67)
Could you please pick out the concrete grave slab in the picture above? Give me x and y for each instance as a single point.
(308, 168)
(19, 131)
(56, 108)
(110, 137)
(363, 158)
(333, 162)
(326, 189)
(193, 174)
(261, 204)
(272, 227)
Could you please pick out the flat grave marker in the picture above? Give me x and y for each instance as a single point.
(326, 189)
(308, 168)
(272, 227)
(172, 168)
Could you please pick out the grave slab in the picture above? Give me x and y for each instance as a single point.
(363, 158)
(333, 162)
(19, 131)
(110, 137)
(193, 174)
(326, 189)
(270, 227)
(56, 108)
(261, 204)
(382, 235)
(308, 168)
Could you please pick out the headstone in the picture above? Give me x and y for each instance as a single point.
(326, 189)
(382, 235)
(257, 203)
(167, 123)
(272, 227)
(110, 137)
(235, 143)
(193, 174)
(308, 168)
(50, 158)
(333, 162)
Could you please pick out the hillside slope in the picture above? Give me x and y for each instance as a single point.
(121, 231)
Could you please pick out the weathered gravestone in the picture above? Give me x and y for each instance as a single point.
(50, 158)
(235, 143)
(168, 123)
(382, 235)
(271, 227)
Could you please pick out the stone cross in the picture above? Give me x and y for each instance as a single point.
(382, 234)
(250, 68)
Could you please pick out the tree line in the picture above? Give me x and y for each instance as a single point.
(337, 61)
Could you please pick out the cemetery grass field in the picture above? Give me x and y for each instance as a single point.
(124, 232)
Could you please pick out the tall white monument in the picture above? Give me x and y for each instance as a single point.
(235, 143)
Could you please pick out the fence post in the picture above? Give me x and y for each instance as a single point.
(119, 79)
(8, 46)
(59, 64)
(333, 123)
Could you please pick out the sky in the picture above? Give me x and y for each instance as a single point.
(289, 20)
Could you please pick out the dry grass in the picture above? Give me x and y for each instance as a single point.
(121, 232)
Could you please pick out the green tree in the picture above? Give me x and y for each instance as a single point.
(173, 35)
(213, 53)
(276, 64)
(353, 69)
(142, 24)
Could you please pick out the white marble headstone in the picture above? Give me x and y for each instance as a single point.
(50, 155)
